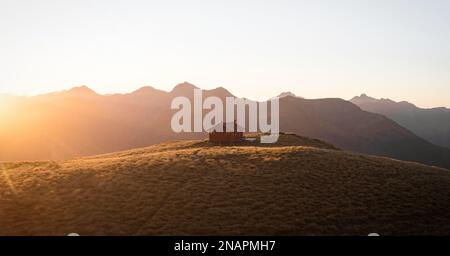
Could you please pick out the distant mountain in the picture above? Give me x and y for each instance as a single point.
(80, 122)
(347, 126)
(82, 90)
(287, 94)
(431, 124)
(183, 89)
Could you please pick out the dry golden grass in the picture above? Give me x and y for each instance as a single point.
(193, 188)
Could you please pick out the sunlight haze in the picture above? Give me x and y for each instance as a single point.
(256, 49)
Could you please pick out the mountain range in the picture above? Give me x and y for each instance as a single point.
(432, 124)
(79, 122)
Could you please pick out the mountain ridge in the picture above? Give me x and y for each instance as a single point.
(432, 124)
(68, 127)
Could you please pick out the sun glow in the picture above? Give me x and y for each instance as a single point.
(5, 177)
(7, 113)
(5, 104)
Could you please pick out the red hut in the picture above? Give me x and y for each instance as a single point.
(222, 136)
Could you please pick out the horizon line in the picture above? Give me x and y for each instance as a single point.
(195, 87)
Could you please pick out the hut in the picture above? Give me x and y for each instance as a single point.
(224, 136)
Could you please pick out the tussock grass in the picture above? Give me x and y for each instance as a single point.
(195, 188)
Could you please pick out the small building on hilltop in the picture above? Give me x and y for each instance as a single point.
(222, 136)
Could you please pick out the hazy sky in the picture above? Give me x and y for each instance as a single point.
(398, 49)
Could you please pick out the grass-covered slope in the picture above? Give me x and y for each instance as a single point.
(193, 188)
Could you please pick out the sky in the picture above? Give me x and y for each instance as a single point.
(387, 49)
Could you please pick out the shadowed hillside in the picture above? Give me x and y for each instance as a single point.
(194, 188)
(347, 126)
(431, 124)
(80, 122)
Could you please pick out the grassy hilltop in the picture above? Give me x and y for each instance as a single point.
(298, 186)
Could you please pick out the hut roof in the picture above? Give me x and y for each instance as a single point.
(227, 127)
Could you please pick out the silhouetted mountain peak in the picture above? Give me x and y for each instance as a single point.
(221, 89)
(184, 88)
(287, 94)
(82, 90)
(218, 92)
(145, 90)
(433, 124)
(406, 104)
(363, 97)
